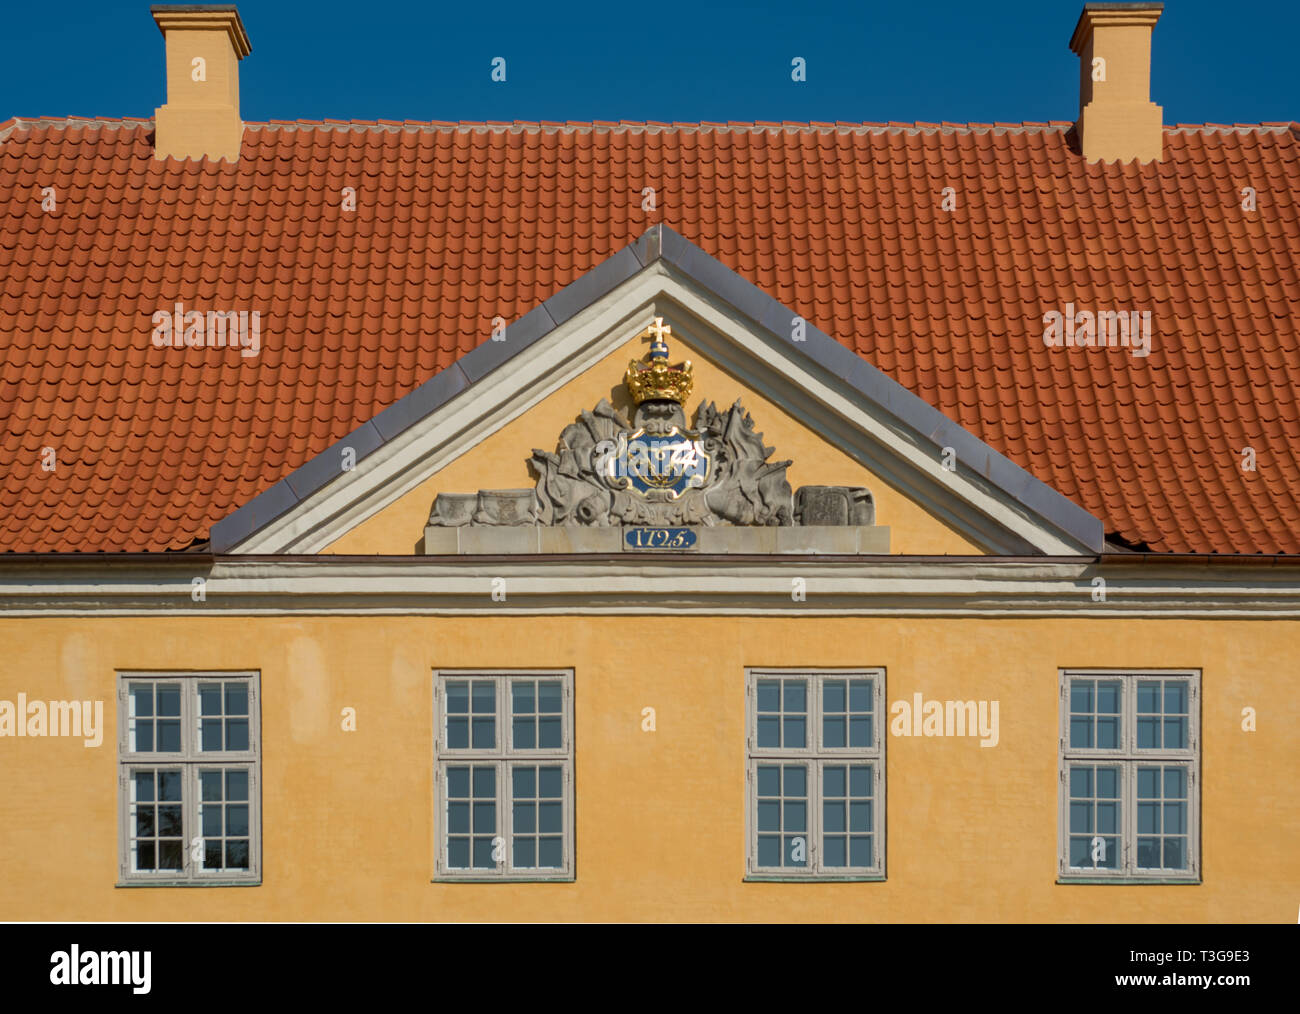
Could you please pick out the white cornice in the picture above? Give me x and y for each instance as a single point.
(659, 586)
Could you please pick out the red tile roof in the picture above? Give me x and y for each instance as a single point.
(457, 224)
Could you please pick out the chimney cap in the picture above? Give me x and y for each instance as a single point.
(1113, 14)
(204, 16)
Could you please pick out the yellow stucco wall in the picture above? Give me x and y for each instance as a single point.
(972, 832)
(500, 460)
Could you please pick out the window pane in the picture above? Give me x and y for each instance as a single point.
(1148, 853)
(209, 698)
(211, 821)
(236, 698)
(237, 784)
(1175, 733)
(860, 850)
(169, 699)
(860, 695)
(834, 731)
(1175, 783)
(796, 815)
(796, 695)
(144, 786)
(1080, 781)
(485, 781)
(550, 853)
(835, 851)
(860, 780)
(550, 817)
(796, 780)
(834, 782)
(769, 850)
(521, 696)
(169, 735)
(769, 780)
(485, 697)
(1108, 783)
(142, 700)
(860, 731)
(795, 732)
(169, 786)
(457, 697)
(236, 855)
(769, 695)
(549, 732)
(834, 695)
(524, 734)
(1175, 853)
(485, 736)
(1148, 697)
(769, 815)
(236, 733)
(458, 782)
(549, 696)
(1080, 818)
(525, 818)
(769, 731)
(169, 821)
(1108, 697)
(1148, 733)
(525, 852)
(169, 855)
(549, 780)
(833, 816)
(1081, 733)
(524, 778)
(1176, 697)
(210, 784)
(210, 737)
(1108, 733)
(1081, 696)
(237, 819)
(457, 733)
(458, 818)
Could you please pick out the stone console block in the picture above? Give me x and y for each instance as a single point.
(816, 506)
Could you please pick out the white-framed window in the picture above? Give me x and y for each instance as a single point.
(189, 758)
(503, 775)
(1130, 763)
(815, 774)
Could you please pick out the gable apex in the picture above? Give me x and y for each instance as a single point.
(293, 516)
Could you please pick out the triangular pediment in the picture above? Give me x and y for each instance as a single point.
(867, 454)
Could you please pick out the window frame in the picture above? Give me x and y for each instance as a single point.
(189, 760)
(815, 756)
(505, 757)
(1129, 758)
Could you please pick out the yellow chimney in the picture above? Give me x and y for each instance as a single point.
(1117, 119)
(204, 47)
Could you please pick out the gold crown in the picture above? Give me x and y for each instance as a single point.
(655, 380)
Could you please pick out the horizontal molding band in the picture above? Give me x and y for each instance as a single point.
(689, 585)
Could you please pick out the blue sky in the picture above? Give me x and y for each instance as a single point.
(955, 60)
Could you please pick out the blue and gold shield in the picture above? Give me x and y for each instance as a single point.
(672, 462)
